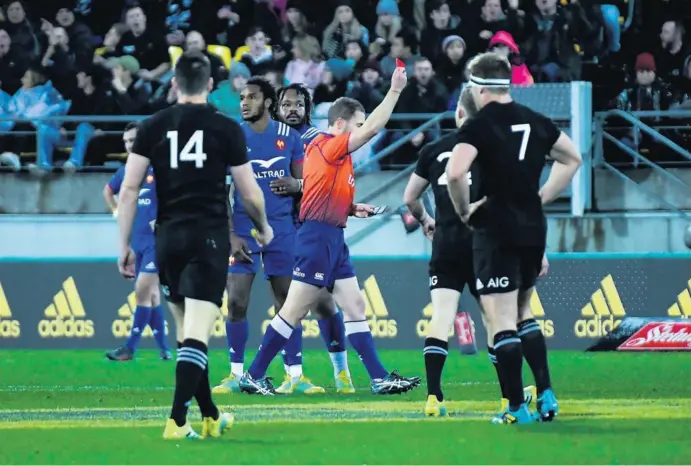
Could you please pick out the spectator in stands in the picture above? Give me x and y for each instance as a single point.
(149, 49)
(504, 44)
(35, 100)
(59, 60)
(675, 58)
(267, 16)
(307, 66)
(296, 23)
(226, 98)
(259, 59)
(551, 34)
(131, 95)
(12, 65)
(423, 94)
(80, 37)
(610, 17)
(195, 42)
(493, 19)
(443, 25)
(334, 82)
(274, 77)
(24, 35)
(648, 92)
(344, 28)
(451, 66)
(356, 54)
(181, 16)
(233, 22)
(89, 96)
(389, 25)
(97, 15)
(403, 47)
(110, 44)
(368, 88)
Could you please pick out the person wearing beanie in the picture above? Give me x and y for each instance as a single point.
(648, 92)
(344, 28)
(443, 24)
(450, 67)
(504, 44)
(226, 98)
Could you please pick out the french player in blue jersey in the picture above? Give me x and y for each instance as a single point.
(295, 109)
(149, 310)
(275, 151)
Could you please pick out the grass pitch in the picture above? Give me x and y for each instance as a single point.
(74, 407)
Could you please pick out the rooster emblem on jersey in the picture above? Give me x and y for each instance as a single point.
(150, 179)
(280, 143)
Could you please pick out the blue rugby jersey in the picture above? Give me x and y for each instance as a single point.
(142, 231)
(271, 154)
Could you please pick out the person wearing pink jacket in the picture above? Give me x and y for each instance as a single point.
(503, 43)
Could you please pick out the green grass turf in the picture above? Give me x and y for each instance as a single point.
(617, 409)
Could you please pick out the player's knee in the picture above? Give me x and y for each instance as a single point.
(237, 307)
(146, 293)
(354, 308)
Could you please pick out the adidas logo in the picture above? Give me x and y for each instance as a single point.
(682, 308)
(122, 326)
(423, 324)
(603, 313)
(219, 328)
(9, 328)
(65, 316)
(547, 325)
(376, 313)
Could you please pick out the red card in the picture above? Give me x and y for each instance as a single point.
(399, 64)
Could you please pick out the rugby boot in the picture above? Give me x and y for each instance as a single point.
(520, 416)
(216, 427)
(120, 354)
(256, 387)
(434, 407)
(173, 432)
(547, 406)
(299, 385)
(344, 384)
(228, 385)
(394, 384)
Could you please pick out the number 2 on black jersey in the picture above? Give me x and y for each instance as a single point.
(192, 151)
(443, 179)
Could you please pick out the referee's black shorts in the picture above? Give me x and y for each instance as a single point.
(193, 262)
(502, 267)
(451, 264)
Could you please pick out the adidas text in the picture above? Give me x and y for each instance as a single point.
(9, 329)
(59, 328)
(595, 326)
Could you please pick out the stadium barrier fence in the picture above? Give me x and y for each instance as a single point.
(67, 304)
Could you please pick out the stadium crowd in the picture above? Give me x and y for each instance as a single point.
(114, 57)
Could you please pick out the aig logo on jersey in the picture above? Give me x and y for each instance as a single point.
(497, 283)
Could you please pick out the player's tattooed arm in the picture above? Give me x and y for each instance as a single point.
(411, 197)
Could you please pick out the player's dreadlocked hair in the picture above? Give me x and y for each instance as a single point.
(301, 90)
(267, 91)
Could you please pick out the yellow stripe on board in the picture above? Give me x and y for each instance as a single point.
(615, 304)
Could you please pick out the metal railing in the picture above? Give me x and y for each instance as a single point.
(602, 134)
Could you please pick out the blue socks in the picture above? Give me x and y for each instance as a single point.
(360, 338)
(332, 330)
(142, 315)
(237, 334)
(275, 338)
(157, 322)
(292, 353)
